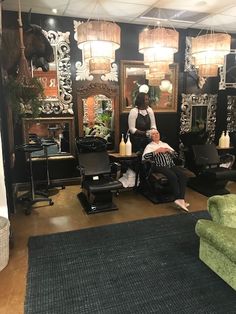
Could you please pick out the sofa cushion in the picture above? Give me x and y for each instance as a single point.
(223, 238)
(223, 209)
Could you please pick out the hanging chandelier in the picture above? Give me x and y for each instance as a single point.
(158, 46)
(98, 41)
(208, 52)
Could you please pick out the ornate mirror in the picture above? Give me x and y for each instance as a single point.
(198, 113)
(227, 72)
(98, 112)
(57, 81)
(231, 113)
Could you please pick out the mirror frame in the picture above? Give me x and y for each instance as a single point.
(227, 68)
(26, 122)
(140, 64)
(63, 104)
(191, 100)
(231, 113)
(92, 89)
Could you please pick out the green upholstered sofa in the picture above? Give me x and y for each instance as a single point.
(218, 237)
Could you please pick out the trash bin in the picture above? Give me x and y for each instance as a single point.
(4, 242)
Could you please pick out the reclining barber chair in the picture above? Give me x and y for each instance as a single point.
(211, 178)
(189, 139)
(98, 185)
(154, 185)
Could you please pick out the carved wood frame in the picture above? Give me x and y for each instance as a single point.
(92, 89)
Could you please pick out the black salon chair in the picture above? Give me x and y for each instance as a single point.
(188, 139)
(153, 185)
(211, 178)
(98, 185)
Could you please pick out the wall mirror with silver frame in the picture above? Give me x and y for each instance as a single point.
(57, 81)
(198, 114)
(227, 72)
(59, 130)
(231, 113)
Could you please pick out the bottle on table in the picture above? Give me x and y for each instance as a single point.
(227, 140)
(222, 140)
(122, 146)
(128, 146)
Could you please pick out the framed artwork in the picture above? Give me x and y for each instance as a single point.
(163, 98)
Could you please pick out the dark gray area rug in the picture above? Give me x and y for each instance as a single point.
(148, 266)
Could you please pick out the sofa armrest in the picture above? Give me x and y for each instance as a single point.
(223, 238)
(223, 209)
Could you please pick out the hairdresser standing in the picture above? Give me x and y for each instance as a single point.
(141, 120)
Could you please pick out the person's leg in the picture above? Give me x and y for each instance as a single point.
(172, 180)
(182, 181)
(177, 183)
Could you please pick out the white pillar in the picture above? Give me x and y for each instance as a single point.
(3, 198)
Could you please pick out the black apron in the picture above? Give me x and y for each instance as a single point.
(139, 142)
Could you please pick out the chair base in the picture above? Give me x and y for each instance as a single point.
(207, 188)
(157, 198)
(93, 208)
(28, 201)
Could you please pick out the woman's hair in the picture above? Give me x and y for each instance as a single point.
(140, 99)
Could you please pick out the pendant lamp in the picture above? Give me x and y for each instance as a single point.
(158, 46)
(208, 52)
(98, 41)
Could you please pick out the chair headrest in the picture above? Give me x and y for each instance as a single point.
(91, 144)
(206, 154)
(194, 138)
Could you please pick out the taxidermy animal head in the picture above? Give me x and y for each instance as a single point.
(37, 48)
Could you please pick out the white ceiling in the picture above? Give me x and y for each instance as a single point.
(221, 15)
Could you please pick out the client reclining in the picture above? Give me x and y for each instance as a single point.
(163, 156)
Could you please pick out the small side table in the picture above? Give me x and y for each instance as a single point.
(135, 158)
(227, 152)
(224, 150)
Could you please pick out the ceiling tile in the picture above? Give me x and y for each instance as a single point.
(128, 11)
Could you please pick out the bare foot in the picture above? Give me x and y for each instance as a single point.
(181, 204)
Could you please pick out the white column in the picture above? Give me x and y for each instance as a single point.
(3, 198)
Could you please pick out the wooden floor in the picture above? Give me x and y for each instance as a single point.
(66, 214)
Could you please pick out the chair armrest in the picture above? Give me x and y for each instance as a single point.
(81, 170)
(179, 161)
(148, 166)
(223, 209)
(223, 238)
(115, 169)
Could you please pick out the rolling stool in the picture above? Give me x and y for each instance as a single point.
(46, 143)
(30, 197)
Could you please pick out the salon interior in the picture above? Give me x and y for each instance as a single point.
(46, 164)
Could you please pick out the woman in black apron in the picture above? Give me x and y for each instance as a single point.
(141, 119)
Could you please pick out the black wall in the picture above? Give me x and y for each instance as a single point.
(168, 123)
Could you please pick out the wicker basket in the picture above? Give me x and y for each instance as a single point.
(4, 242)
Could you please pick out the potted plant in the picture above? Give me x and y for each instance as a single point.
(25, 99)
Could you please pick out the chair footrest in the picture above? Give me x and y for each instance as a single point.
(102, 185)
(220, 173)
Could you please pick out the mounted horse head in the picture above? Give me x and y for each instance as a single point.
(37, 48)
